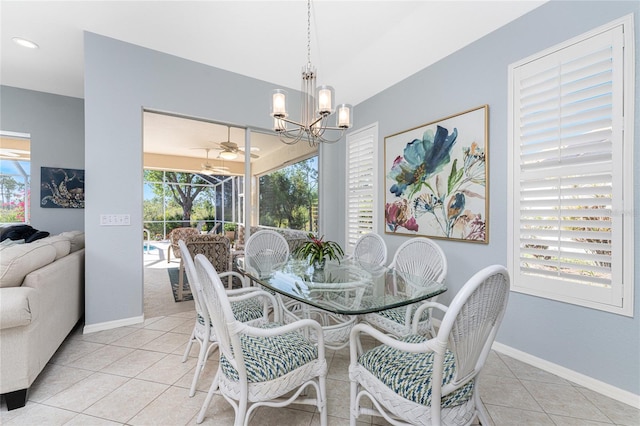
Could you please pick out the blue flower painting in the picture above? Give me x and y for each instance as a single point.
(436, 179)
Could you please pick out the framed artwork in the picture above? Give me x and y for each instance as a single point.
(436, 179)
(61, 188)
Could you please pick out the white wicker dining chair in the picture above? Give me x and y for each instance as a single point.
(370, 248)
(420, 257)
(254, 311)
(265, 249)
(269, 366)
(432, 382)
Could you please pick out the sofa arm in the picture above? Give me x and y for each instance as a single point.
(18, 306)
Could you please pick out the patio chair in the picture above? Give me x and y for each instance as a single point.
(269, 366)
(176, 235)
(370, 248)
(217, 248)
(432, 382)
(420, 257)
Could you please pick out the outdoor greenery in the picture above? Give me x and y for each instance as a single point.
(289, 196)
(180, 199)
(288, 199)
(12, 192)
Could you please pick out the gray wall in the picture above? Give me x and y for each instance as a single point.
(597, 344)
(56, 125)
(120, 80)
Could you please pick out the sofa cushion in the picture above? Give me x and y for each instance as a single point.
(76, 238)
(61, 243)
(19, 260)
(8, 242)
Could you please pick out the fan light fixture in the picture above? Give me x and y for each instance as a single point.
(228, 155)
(317, 106)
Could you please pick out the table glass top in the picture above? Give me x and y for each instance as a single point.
(348, 287)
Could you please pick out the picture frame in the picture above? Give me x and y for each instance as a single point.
(436, 179)
(61, 188)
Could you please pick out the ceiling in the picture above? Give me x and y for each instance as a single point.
(350, 40)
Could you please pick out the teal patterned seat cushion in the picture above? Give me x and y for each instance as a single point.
(244, 310)
(396, 314)
(409, 374)
(268, 358)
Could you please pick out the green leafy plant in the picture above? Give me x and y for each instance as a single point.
(229, 226)
(316, 250)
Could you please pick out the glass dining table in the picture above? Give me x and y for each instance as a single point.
(348, 287)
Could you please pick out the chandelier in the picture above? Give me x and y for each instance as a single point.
(316, 108)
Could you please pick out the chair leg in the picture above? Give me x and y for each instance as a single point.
(189, 345)
(180, 281)
(207, 401)
(202, 357)
(481, 411)
(353, 410)
(323, 401)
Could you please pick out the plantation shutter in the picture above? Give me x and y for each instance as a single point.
(568, 151)
(361, 167)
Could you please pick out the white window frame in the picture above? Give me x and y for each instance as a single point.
(361, 160)
(617, 296)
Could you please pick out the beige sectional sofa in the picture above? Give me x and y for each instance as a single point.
(41, 300)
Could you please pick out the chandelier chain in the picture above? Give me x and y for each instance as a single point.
(308, 31)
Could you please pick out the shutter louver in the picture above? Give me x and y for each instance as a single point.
(565, 122)
(360, 168)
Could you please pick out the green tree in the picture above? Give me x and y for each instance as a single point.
(8, 186)
(184, 188)
(288, 196)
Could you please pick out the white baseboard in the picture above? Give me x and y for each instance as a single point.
(605, 389)
(101, 326)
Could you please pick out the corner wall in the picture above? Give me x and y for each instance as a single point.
(56, 126)
(120, 80)
(600, 345)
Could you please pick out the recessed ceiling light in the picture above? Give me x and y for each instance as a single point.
(24, 42)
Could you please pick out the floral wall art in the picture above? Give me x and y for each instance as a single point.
(61, 188)
(436, 179)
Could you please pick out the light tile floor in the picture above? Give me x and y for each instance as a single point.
(134, 376)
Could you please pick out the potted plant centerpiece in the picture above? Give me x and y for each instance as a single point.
(316, 251)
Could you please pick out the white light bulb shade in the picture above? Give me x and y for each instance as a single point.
(325, 96)
(279, 125)
(344, 117)
(228, 155)
(279, 104)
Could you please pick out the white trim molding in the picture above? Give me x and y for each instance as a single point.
(108, 325)
(590, 383)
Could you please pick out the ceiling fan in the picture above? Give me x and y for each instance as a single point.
(229, 150)
(209, 169)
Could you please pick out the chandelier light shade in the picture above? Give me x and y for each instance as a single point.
(317, 106)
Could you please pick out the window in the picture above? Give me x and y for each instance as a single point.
(176, 199)
(571, 171)
(15, 177)
(361, 172)
(288, 197)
